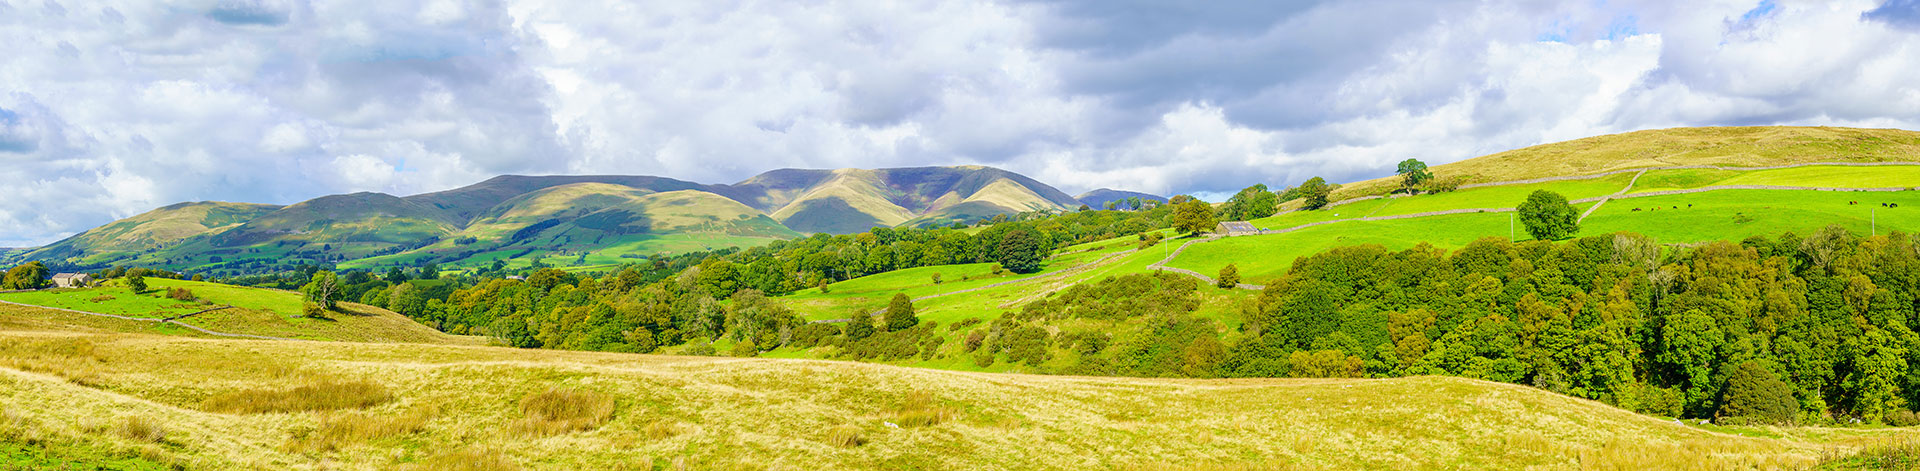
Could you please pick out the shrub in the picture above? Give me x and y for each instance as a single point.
(559, 411)
(1758, 396)
(180, 294)
(846, 436)
(743, 349)
(812, 335)
(963, 323)
(312, 397)
(1229, 276)
(936, 278)
(101, 298)
(313, 311)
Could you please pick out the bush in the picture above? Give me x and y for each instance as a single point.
(180, 294)
(1229, 276)
(312, 397)
(920, 409)
(559, 411)
(744, 348)
(1758, 396)
(313, 311)
(899, 315)
(812, 335)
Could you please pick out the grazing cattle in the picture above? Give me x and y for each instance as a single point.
(1636, 210)
(1676, 207)
(1853, 202)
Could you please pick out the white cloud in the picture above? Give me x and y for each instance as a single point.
(123, 106)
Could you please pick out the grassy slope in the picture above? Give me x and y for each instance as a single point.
(256, 311)
(1727, 146)
(159, 227)
(1817, 176)
(713, 413)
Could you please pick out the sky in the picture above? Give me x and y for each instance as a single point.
(111, 108)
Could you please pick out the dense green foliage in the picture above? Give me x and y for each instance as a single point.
(1548, 216)
(1193, 217)
(1314, 191)
(1754, 395)
(1253, 202)
(1229, 276)
(1603, 318)
(323, 291)
(1021, 252)
(137, 283)
(1413, 173)
(899, 314)
(30, 275)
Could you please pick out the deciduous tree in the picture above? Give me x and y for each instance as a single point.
(1193, 217)
(1548, 216)
(1315, 191)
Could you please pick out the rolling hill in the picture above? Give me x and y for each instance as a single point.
(1750, 146)
(1098, 198)
(605, 217)
(149, 231)
(853, 200)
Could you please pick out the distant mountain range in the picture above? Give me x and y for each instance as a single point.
(1097, 199)
(513, 217)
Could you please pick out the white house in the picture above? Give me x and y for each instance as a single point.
(72, 280)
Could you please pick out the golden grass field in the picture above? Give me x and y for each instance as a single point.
(83, 394)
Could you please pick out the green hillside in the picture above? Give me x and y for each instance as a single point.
(147, 232)
(1722, 146)
(253, 311)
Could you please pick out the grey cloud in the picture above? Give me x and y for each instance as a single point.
(251, 12)
(15, 134)
(1902, 13)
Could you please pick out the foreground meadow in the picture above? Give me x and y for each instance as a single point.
(73, 393)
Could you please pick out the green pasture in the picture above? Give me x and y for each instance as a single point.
(1830, 176)
(1738, 214)
(1504, 196)
(117, 301)
(1263, 258)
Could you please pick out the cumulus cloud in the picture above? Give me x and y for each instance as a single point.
(111, 108)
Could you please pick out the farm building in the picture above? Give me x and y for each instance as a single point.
(1234, 228)
(72, 280)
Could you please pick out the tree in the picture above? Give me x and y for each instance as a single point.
(1020, 251)
(396, 276)
(323, 290)
(30, 275)
(1757, 396)
(1229, 276)
(859, 326)
(1133, 203)
(136, 282)
(1253, 202)
(1548, 216)
(1193, 217)
(1413, 173)
(1112, 204)
(899, 314)
(936, 278)
(1315, 191)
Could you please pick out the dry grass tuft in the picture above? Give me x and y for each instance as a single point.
(559, 411)
(341, 431)
(663, 430)
(921, 410)
(846, 436)
(72, 358)
(140, 429)
(469, 460)
(1693, 454)
(317, 396)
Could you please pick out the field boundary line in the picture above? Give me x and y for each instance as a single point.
(157, 321)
